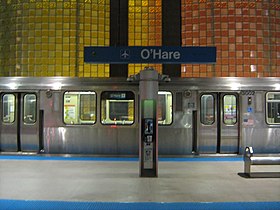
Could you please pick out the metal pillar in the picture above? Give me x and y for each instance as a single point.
(148, 122)
(148, 128)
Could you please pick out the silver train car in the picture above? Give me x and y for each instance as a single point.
(60, 115)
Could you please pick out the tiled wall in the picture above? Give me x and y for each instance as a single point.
(47, 37)
(246, 34)
(144, 28)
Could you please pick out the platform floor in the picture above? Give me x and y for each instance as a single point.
(115, 184)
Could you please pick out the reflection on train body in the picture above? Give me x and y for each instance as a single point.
(101, 117)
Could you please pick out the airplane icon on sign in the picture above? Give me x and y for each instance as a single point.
(124, 54)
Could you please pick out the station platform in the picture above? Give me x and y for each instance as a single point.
(71, 182)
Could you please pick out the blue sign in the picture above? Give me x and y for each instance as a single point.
(163, 55)
(250, 109)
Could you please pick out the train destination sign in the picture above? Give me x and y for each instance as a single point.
(164, 55)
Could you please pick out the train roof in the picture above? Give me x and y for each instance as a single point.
(217, 83)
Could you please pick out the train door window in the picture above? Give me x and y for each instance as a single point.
(229, 109)
(164, 108)
(29, 108)
(207, 109)
(79, 107)
(117, 107)
(9, 101)
(273, 108)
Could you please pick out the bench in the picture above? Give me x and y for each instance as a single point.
(251, 159)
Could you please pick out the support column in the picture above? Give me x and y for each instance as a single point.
(118, 33)
(171, 32)
(148, 128)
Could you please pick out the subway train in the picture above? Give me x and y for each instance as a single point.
(87, 116)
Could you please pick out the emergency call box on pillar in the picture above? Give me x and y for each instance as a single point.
(148, 139)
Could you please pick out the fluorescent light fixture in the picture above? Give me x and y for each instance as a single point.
(277, 86)
(235, 86)
(56, 86)
(13, 86)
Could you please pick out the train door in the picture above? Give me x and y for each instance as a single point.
(218, 123)
(19, 124)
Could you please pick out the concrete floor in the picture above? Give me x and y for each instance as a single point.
(114, 181)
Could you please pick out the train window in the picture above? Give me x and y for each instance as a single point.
(164, 108)
(9, 101)
(29, 108)
(207, 109)
(229, 109)
(273, 108)
(117, 107)
(79, 107)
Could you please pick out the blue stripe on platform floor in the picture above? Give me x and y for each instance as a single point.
(61, 205)
(129, 159)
